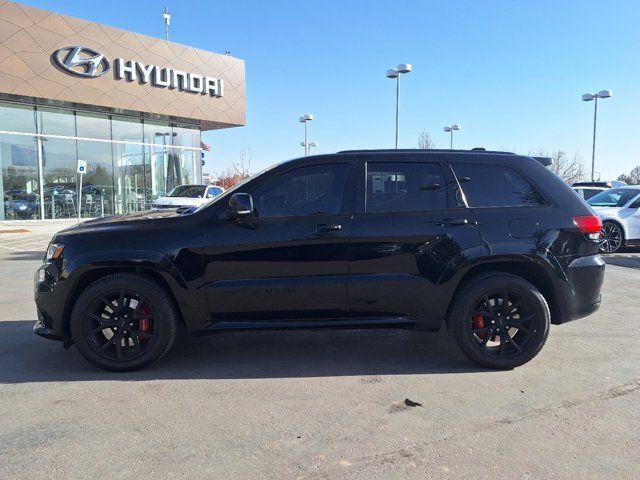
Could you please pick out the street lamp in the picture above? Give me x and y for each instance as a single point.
(304, 119)
(450, 130)
(587, 97)
(395, 73)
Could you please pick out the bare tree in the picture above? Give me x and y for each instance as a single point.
(238, 171)
(570, 169)
(424, 141)
(633, 178)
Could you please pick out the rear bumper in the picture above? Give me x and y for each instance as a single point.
(580, 292)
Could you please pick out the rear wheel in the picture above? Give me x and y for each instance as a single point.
(611, 237)
(123, 322)
(499, 320)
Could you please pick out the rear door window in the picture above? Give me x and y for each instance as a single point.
(487, 185)
(405, 187)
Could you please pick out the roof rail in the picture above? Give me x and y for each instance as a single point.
(418, 150)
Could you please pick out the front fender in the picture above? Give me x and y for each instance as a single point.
(85, 268)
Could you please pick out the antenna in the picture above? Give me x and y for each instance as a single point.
(167, 22)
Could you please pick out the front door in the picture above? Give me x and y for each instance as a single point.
(289, 261)
(407, 233)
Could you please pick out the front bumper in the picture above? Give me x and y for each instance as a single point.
(50, 298)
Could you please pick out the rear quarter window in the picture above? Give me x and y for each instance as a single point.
(486, 185)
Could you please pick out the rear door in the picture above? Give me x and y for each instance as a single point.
(408, 232)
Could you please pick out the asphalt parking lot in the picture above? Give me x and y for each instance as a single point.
(321, 404)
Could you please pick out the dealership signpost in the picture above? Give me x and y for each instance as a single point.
(82, 169)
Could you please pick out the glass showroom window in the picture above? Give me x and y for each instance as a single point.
(98, 197)
(158, 157)
(55, 121)
(59, 177)
(187, 136)
(129, 164)
(59, 156)
(19, 181)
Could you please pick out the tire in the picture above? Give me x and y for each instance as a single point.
(480, 322)
(124, 322)
(612, 237)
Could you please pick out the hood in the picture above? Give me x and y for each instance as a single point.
(179, 201)
(119, 221)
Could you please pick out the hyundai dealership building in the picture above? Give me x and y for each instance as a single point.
(131, 106)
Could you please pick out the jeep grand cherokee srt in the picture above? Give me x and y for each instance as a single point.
(490, 244)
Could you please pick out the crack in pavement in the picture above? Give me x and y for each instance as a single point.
(414, 450)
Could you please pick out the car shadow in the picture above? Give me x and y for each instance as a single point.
(237, 355)
(27, 255)
(624, 259)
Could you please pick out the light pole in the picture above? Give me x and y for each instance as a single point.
(587, 97)
(304, 119)
(450, 130)
(395, 73)
(167, 22)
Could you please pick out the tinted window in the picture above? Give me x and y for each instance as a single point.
(590, 192)
(215, 191)
(313, 190)
(191, 191)
(494, 186)
(616, 197)
(404, 187)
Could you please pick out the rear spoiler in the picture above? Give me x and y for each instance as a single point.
(545, 161)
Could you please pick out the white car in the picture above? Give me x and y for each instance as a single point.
(187, 196)
(619, 209)
(588, 192)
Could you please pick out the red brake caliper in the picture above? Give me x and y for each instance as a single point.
(478, 322)
(144, 325)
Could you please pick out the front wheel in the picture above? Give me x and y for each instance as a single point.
(611, 237)
(123, 322)
(499, 320)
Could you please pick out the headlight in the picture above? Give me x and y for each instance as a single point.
(54, 251)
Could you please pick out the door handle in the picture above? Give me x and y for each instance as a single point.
(325, 228)
(452, 222)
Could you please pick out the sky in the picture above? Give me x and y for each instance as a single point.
(512, 73)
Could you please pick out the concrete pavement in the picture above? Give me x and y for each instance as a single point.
(323, 404)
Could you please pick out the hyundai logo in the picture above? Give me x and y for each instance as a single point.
(81, 61)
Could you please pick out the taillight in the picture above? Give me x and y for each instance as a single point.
(590, 225)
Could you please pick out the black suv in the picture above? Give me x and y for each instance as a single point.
(492, 244)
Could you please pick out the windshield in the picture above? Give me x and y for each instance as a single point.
(615, 197)
(190, 191)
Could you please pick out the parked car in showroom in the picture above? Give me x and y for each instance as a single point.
(187, 196)
(492, 245)
(22, 206)
(619, 209)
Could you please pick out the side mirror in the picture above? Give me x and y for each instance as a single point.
(240, 205)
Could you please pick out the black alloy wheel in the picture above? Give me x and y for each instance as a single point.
(120, 325)
(124, 322)
(503, 323)
(611, 237)
(499, 320)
